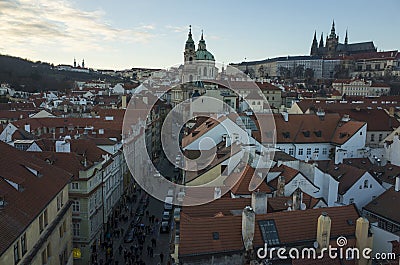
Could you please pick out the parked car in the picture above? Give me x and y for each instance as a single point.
(165, 216)
(164, 227)
(177, 214)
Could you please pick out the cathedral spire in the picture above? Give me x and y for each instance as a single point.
(346, 40)
(321, 40)
(333, 33)
(314, 45)
(202, 35)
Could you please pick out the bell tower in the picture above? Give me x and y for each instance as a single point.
(190, 49)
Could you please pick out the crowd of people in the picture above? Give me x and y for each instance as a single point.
(139, 247)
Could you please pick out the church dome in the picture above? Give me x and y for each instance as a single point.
(204, 55)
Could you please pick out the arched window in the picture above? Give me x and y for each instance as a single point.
(205, 71)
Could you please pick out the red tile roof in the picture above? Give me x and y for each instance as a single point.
(293, 227)
(310, 128)
(24, 206)
(386, 205)
(347, 175)
(242, 186)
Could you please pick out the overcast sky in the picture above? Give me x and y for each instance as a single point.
(123, 34)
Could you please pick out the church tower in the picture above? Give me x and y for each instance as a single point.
(189, 56)
(190, 49)
(332, 41)
(314, 46)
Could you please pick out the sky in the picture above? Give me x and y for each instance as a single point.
(122, 34)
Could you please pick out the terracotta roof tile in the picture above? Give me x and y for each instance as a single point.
(23, 206)
(196, 233)
(386, 205)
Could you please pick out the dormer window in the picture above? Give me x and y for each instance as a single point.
(365, 183)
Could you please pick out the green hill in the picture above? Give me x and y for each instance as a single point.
(26, 75)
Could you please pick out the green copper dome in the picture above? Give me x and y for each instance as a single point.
(204, 55)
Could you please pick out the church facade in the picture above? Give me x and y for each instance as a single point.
(198, 64)
(333, 48)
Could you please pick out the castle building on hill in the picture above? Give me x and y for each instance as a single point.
(333, 48)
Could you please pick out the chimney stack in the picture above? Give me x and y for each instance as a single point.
(391, 111)
(297, 199)
(281, 187)
(363, 238)
(323, 230)
(397, 184)
(123, 104)
(259, 202)
(248, 226)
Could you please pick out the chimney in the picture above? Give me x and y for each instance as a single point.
(321, 114)
(27, 127)
(346, 118)
(363, 238)
(397, 184)
(123, 105)
(259, 202)
(391, 111)
(285, 116)
(323, 230)
(297, 199)
(217, 193)
(248, 226)
(281, 187)
(339, 157)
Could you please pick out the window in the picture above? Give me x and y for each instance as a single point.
(75, 185)
(60, 202)
(360, 133)
(76, 229)
(316, 150)
(43, 221)
(308, 151)
(291, 151)
(45, 218)
(324, 151)
(300, 151)
(380, 137)
(75, 206)
(372, 137)
(46, 253)
(365, 183)
(16, 253)
(351, 201)
(23, 244)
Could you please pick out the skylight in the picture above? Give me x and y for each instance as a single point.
(269, 232)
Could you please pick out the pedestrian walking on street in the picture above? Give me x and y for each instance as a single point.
(153, 242)
(161, 257)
